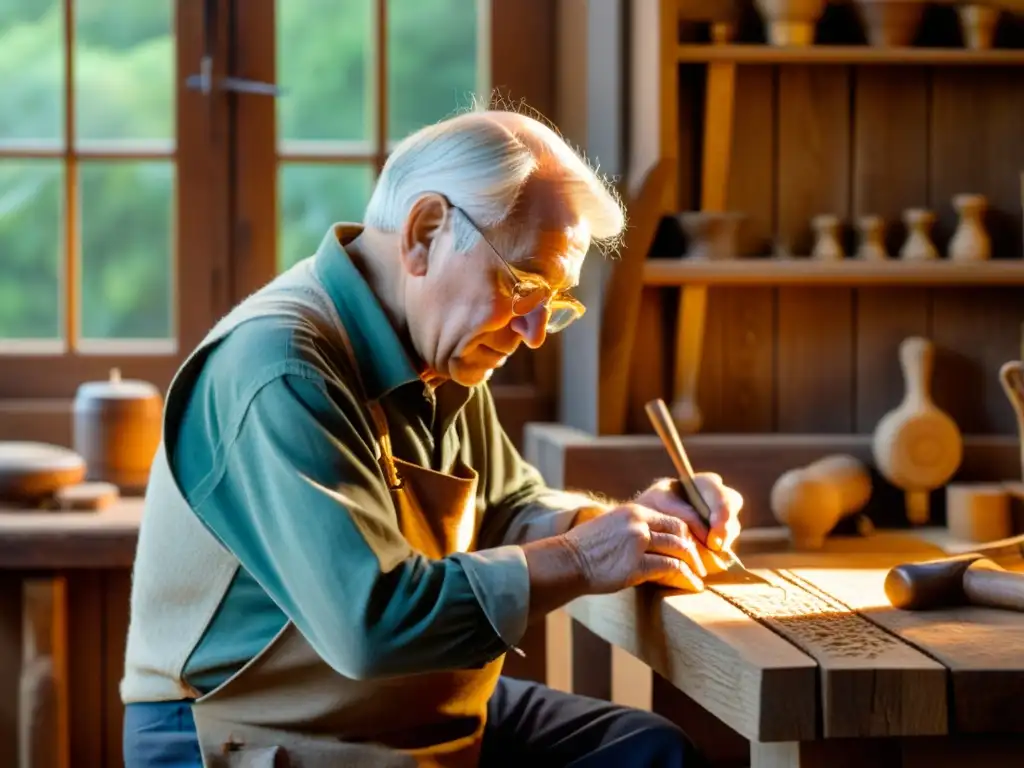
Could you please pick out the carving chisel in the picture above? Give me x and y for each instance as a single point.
(661, 419)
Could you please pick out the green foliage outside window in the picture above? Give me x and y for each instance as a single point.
(124, 93)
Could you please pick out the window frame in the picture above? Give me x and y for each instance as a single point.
(226, 211)
(505, 65)
(196, 236)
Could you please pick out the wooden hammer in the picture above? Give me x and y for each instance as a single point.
(970, 579)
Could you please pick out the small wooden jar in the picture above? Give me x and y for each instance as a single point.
(117, 429)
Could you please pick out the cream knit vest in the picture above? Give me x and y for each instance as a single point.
(181, 571)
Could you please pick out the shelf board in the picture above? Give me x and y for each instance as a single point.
(804, 271)
(755, 53)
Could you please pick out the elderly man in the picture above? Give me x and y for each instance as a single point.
(340, 542)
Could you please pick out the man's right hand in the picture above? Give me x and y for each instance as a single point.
(631, 545)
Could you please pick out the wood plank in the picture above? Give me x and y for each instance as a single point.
(650, 364)
(737, 385)
(619, 466)
(982, 648)
(737, 388)
(975, 147)
(750, 678)
(805, 272)
(814, 336)
(890, 174)
(116, 586)
(872, 684)
(104, 539)
(80, 657)
(850, 54)
(11, 659)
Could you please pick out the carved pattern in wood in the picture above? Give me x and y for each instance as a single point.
(818, 625)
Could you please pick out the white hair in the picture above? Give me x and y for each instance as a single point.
(480, 161)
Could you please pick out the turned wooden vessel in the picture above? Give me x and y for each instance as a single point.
(919, 245)
(828, 244)
(978, 23)
(791, 22)
(890, 23)
(872, 238)
(710, 234)
(117, 429)
(970, 241)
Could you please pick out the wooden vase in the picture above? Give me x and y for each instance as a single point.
(890, 23)
(970, 241)
(919, 245)
(978, 24)
(710, 234)
(791, 22)
(721, 17)
(872, 239)
(828, 244)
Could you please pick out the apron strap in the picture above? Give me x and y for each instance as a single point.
(394, 479)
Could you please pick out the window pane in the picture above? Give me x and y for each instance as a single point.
(31, 226)
(124, 70)
(313, 197)
(431, 61)
(31, 70)
(324, 64)
(127, 266)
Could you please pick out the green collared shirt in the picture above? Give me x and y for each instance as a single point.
(274, 455)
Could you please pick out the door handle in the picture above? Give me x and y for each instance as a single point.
(204, 80)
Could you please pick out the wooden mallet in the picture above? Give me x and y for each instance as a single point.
(969, 579)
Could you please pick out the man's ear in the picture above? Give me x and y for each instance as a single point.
(422, 227)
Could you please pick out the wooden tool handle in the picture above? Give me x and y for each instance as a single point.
(993, 587)
(917, 359)
(662, 422)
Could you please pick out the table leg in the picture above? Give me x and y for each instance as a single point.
(11, 657)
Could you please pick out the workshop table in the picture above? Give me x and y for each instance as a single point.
(830, 676)
(817, 669)
(87, 558)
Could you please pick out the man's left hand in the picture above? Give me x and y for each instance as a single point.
(725, 504)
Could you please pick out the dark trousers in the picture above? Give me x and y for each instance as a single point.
(528, 725)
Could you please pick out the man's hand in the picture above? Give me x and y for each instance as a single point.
(632, 544)
(725, 503)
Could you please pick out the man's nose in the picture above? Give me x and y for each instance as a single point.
(532, 327)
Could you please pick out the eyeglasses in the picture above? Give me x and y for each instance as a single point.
(531, 291)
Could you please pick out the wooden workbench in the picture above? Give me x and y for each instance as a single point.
(827, 674)
(823, 672)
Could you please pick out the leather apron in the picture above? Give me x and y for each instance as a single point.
(287, 707)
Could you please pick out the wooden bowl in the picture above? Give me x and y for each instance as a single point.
(32, 471)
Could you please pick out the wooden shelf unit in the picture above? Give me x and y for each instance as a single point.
(849, 272)
(659, 60)
(753, 53)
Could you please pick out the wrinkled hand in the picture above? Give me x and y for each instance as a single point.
(725, 503)
(632, 544)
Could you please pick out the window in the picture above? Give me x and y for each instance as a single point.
(135, 208)
(92, 248)
(355, 76)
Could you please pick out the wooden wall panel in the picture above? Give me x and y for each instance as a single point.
(889, 175)
(855, 141)
(814, 337)
(977, 125)
(736, 390)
